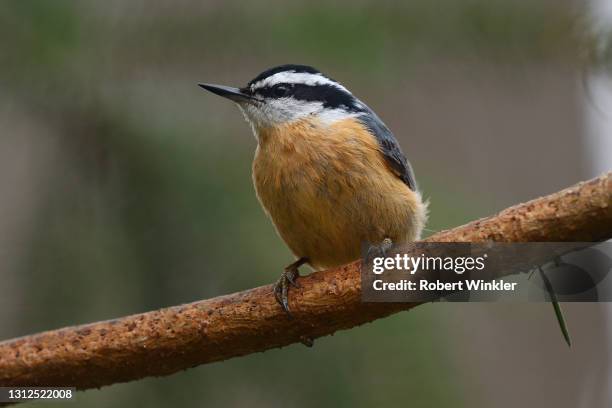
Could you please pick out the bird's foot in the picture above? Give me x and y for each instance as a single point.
(379, 250)
(288, 277)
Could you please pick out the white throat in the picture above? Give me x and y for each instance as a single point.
(285, 111)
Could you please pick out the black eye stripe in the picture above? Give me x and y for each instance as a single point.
(273, 91)
(331, 96)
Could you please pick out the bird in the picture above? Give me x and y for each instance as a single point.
(327, 171)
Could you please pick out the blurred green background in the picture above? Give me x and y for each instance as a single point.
(124, 187)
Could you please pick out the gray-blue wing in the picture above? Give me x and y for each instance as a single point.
(390, 148)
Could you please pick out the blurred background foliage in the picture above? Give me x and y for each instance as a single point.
(126, 188)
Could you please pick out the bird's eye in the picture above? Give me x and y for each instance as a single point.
(281, 90)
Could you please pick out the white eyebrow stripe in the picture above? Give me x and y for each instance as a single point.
(292, 77)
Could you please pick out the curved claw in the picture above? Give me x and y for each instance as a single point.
(277, 293)
(291, 275)
(288, 277)
(379, 250)
(386, 245)
(281, 292)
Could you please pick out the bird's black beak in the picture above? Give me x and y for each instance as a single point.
(235, 94)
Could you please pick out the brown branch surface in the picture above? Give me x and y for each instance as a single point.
(165, 341)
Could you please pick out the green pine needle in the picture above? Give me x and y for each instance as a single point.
(557, 307)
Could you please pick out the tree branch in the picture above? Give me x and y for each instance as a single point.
(169, 340)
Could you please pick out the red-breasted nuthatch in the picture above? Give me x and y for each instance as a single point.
(327, 170)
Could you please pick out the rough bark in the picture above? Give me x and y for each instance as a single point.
(168, 340)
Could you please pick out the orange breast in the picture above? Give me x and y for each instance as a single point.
(329, 191)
